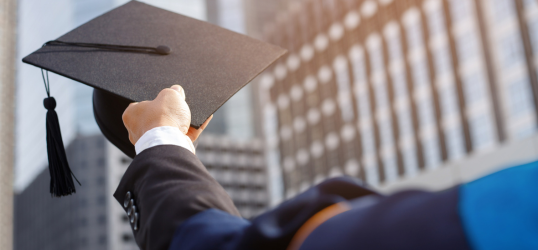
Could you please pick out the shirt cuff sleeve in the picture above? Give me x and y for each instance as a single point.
(164, 136)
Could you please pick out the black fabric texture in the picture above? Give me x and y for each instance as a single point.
(405, 220)
(108, 109)
(209, 62)
(169, 184)
(213, 229)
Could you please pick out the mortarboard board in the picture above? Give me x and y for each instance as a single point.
(130, 54)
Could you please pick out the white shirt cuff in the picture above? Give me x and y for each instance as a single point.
(163, 136)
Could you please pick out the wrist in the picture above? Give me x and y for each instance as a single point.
(165, 135)
(152, 125)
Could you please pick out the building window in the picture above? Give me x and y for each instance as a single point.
(432, 157)
(126, 237)
(83, 222)
(455, 142)
(467, 46)
(442, 61)
(461, 10)
(102, 240)
(502, 9)
(520, 98)
(473, 86)
(101, 200)
(481, 131)
(101, 162)
(101, 219)
(101, 180)
(511, 51)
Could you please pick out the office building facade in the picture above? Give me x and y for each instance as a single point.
(387, 91)
(8, 27)
(89, 219)
(239, 166)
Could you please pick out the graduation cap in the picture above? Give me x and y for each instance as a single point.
(132, 53)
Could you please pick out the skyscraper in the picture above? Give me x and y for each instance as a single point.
(239, 166)
(89, 219)
(235, 117)
(8, 27)
(396, 92)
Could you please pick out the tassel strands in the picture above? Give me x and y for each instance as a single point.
(61, 177)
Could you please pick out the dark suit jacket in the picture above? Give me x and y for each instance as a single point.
(168, 185)
(180, 206)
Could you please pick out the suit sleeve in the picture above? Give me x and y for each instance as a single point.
(168, 185)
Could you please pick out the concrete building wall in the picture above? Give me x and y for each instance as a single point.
(89, 219)
(119, 228)
(8, 28)
(399, 91)
(239, 166)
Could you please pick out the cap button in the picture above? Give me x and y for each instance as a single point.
(163, 50)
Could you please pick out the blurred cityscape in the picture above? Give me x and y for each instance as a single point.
(397, 93)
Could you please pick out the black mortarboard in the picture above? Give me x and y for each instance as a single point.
(133, 52)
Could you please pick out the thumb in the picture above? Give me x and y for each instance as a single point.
(180, 90)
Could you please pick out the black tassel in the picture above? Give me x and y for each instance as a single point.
(61, 177)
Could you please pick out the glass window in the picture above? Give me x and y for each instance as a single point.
(431, 152)
(395, 48)
(405, 122)
(101, 220)
(101, 200)
(410, 161)
(473, 86)
(368, 142)
(455, 145)
(461, 9)
(420, 73)
(376, 60)
(386, 132)
(481, 131)
(101, 162)
(100, 180)
(466, 46)
(510, 48)
(436, 22)
(391, 171)
(448, 100)
(520, 98)
(502, 9)
(102, 240)
(414, 35)
(344, 95)
(381, 96)
(530, 3)
(126, 237)
(357, 62)
(442, 61)
(399, 83)
(426, 112)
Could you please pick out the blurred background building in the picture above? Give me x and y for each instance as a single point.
(426, 93)
(8, 24)
(239, 166)
(90, 219)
